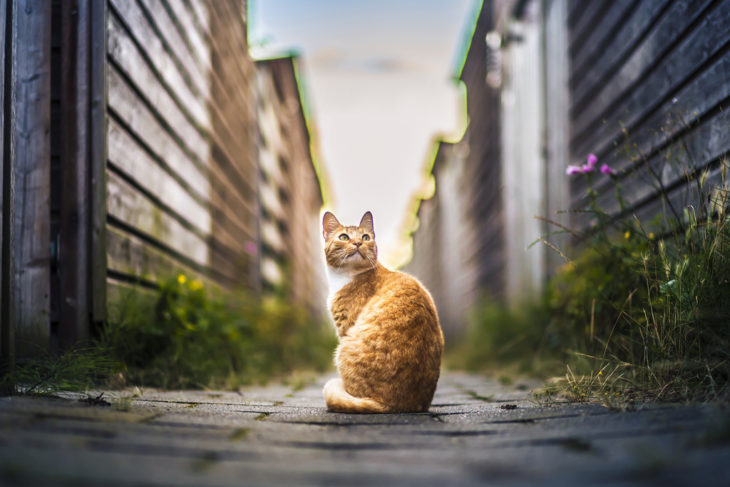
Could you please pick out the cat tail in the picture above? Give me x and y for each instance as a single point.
(340, 401)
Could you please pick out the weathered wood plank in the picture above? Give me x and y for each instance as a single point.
(30, 154)
(653, 68)
(584, 26)
(127, 53)
(200, 15)
(129, 60)
(190, 31)
(7, 176)
(124, 102)
(222, 238)
(131, 256)
(133, 208)
(157, 178)
(130, 15)
(126, 154)
(692, 104)
(680, 67)
(97, 156)
(584, 80)
(4, 322)
(229, 43)
(70, 130)
(576, 8)
(171, 230)
(558, 126)
(169, 35)
(163, 25)
(604, 34)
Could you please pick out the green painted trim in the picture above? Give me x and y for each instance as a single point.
(467, 37)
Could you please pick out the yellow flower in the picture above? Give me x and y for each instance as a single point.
(651, 236)
(195, 285)
(181, 279)
(627, 234)
(600, 372)
(567, 267)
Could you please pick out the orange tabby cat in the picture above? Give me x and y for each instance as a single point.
(390, 338)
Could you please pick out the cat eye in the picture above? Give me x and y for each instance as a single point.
(365, 238)
(344, 237)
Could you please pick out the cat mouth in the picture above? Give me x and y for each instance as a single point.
(357, 252)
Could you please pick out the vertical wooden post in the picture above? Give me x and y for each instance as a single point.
(7, 327)
(73, 190)
(557, 102)
(97, 153)
(30, 159)
(82, 136)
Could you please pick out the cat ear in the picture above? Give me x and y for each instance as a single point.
(367, 222)
(329, 225)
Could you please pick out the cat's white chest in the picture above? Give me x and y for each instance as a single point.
(337, 280)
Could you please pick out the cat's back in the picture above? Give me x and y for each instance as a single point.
(401, 299)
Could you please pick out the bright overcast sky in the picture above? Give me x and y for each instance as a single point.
(378, 76)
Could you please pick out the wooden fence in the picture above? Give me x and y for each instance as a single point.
(129, 155)
(647, 77)
(644, 85)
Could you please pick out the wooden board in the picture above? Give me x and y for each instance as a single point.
(697, 101)
(128, 205)
(142, 123)
(650, 74)
(582, 28)
(69, 132)
(181, 134)
(128, 156)
(139, 214)
(97, 157)
(139, 29)
(135, 258)
(30, 155)
(7, 321)
(165, 29)
(193, 28)
(585, 77)
(603, 33)
(129, 60)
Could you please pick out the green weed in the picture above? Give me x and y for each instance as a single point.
(189, 336)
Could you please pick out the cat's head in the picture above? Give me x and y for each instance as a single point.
(349, 248)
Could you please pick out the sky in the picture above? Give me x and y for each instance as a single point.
(378, 76)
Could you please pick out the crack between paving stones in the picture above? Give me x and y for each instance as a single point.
(323, 445)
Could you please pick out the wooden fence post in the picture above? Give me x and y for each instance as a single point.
(29, 157)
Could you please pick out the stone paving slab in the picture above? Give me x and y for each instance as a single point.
(476, 433)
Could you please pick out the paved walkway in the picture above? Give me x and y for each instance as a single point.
(476, 433)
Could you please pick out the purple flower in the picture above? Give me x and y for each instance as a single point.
(606, 169)
(591, 160)
(586, 168)
(250, 248)
(570, 170)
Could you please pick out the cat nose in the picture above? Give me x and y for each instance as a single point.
(358, 243)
